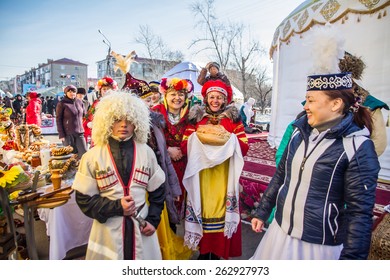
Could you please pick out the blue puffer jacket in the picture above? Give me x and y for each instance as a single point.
(326, 195)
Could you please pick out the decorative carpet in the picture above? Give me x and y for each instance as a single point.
(382, 198)
(259, 167)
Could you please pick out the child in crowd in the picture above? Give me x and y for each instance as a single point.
(214, 74)
(119, 182)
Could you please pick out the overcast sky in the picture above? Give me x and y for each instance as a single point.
(33, 31)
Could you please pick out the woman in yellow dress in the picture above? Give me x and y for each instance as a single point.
(171, 245)
(215, 162)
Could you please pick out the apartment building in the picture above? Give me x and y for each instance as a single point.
(54, 73)
(143, 68)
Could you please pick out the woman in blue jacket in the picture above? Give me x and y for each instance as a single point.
(324, 186)
(330, 162)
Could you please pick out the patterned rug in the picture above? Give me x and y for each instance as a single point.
(259, 167)
(382, 198)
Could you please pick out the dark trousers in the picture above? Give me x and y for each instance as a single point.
(77, 141)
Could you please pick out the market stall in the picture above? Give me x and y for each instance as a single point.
(37, 175)
(49, 125)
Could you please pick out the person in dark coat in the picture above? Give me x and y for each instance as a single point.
(44, 104)
(50, 105)
(81, 94)
(69, 118)
(17, 104)
(211, 72)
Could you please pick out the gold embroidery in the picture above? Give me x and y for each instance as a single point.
(369, 3)
(330, 8)
(316, 6)
(296, 17)
(286, 28)
(303, 19)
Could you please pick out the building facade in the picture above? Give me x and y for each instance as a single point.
(54, 73)
(143, 68)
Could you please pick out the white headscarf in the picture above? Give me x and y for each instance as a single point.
(248, 109)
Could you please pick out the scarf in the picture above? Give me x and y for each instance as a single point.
(202, 157)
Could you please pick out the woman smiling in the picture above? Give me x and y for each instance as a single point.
(215, 162)
(174, 108)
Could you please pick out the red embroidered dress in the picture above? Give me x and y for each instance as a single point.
(89, 118)
(173, 136)
(215, 241)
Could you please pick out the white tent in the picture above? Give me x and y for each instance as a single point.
(49, 91)
(190, 70)
(365, 26)
(3, 94)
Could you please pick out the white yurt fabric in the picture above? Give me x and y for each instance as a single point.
(190, 70)
(366, 27)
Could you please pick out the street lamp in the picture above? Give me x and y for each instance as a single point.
(108, 44)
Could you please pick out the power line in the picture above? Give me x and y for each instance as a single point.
(14, 66)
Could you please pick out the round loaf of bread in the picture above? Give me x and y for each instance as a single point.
(215, 135)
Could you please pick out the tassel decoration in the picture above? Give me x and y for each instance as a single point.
(384, 13)
(379, 15)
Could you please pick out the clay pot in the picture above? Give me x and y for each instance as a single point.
(22, 253)
(56, 178)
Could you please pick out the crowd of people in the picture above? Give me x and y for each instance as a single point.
(23, 113)
(152, 159)
(140, 141)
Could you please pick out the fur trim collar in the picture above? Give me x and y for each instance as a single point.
(198, 112)
(157, 119)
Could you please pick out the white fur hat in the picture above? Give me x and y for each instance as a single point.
(119, 105)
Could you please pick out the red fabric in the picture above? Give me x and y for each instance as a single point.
(259, 167)
(259, 162)
(382, 198)
(173, 136)
(217, 243)
(228, 124)
(89, 118)
(218, 83)
(221, 246)
(33, 111)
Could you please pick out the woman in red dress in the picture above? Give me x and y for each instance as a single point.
(176, 93)
(103, 86)
(216, 144)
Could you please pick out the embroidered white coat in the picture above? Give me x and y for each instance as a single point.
(106, 239)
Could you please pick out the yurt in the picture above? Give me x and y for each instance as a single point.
(190, 70)
(365, 24)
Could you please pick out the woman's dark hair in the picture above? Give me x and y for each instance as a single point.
(362, 116)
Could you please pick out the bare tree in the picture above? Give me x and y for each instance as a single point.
(157, 51)
(218, 38)
(230, 43)
(245, 58)
(260, 89)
